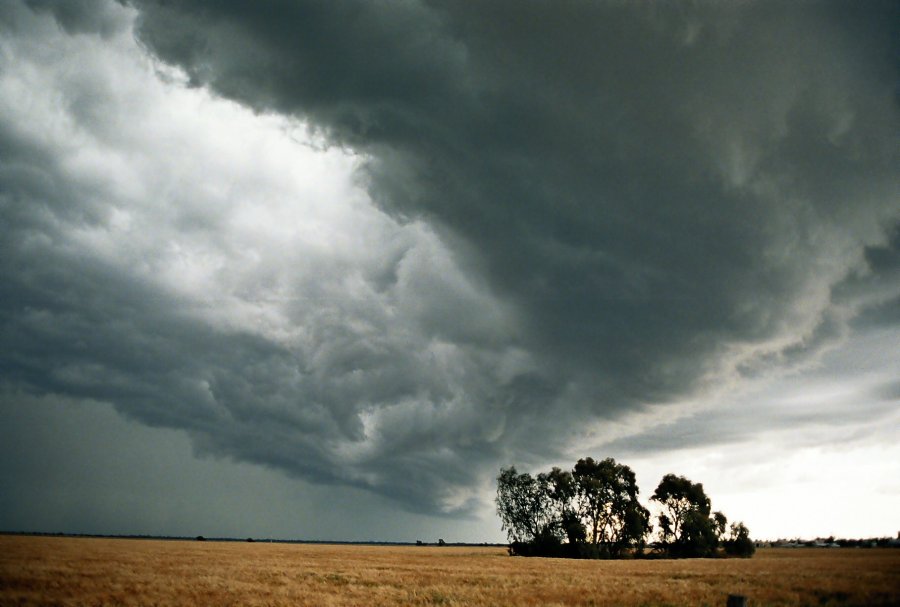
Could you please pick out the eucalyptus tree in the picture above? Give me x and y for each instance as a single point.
(526, 509)
(686, 527)
(563, 491)
(593, 511)
(739, 542)
(606, 498)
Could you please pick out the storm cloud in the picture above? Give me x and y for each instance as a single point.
(509, 225)
(662, 193)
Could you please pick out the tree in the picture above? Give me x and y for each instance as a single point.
(637, 527)
(720, 522)
(698, 536)
(593, 511)
(740, 544)
(605, 497)
(525, 508)
(666, 535)
(688, 530)
(563, 492)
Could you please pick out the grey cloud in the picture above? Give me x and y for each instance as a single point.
(648, 186)
(79, 328)
(890, 391)
(847, 397)
(79, 467)
(330, 356)
(74, 325)
(593, 208)
(884, 264)
(855, 418)
(83, 16)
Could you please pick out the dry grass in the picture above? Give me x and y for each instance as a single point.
(70, 571)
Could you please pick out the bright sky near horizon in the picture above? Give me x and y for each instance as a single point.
(318, 270)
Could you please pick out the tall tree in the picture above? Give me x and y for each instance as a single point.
(721, 522)
(686, 526)
(740, 544)
(563, 492)
(606, 498)
(524, 505)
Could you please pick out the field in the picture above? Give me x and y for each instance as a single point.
(85, 571)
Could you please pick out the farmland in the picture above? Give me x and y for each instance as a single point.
(88, 571)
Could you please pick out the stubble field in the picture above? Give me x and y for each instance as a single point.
(85, 571)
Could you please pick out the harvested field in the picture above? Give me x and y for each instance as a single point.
(84, 571)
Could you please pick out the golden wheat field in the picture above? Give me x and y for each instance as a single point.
(86, 571)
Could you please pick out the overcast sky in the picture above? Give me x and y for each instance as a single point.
(319, 269)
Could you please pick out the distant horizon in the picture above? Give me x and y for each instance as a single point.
(385, 542)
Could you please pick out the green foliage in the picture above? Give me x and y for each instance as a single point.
(524, 505)
(607, 495)
(720, 522)
(593, 512)
(594, 508)
(686, 527)
(698, 536)
(739, 544)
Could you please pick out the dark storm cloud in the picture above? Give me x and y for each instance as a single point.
(79, 326)
(130, 278)
(75, 326)
(83, 16)
(632, 205)
(648, 184)
(133, 479)
(884, 262)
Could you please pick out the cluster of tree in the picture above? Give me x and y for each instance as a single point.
(689, 528)
(593, 511)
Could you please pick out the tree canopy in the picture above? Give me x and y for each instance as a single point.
(524, 505)
(606, 493)
(594, 511)
(686, 527)
(739, 542)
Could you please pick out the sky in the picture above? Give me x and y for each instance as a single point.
(311, 270)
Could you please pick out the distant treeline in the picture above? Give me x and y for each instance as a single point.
(201, 538)
(832, 542)
(593, 511)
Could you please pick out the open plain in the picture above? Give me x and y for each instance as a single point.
(89, 571)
